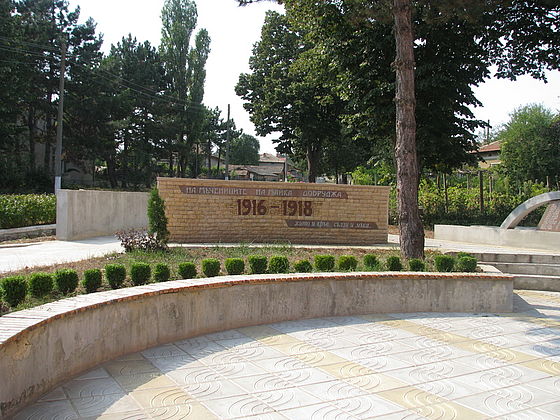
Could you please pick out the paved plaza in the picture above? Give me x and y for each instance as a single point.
(394, 366)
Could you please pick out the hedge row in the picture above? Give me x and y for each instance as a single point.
(27, 210)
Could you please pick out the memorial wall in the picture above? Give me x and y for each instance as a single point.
(210, 211)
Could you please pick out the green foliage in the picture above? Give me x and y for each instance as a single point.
(416, 264)
(187, 270)
(303, 266)
(27, 210)
(115, 275)
(234, 266)
(394, 263)
(161, 272)
(324, 262)
(371, 262)
(14, 290)
(211, 267)
(244, 150)
(347, 263)
(466, 264)
(157, 220)
(66, 280)
(278, 264)
(140, 273)
(258, 264)
(444, 263)
(92, 280)
(40, 284)
(463, 254)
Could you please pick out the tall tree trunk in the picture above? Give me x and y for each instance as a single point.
(410, 225)
(31, 126)
(313, 154)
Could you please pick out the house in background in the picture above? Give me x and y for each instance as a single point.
(490, 155)
(270, 168)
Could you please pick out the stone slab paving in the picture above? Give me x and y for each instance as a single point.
(394, 366)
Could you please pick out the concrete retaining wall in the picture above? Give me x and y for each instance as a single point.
(84, 214)
(47, 345)
(490, 235)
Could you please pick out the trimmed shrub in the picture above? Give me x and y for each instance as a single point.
(278, 264)
(14, 290)
(371, 262)
(258, 264)
(444, 263)
(157, 221)
(115, 275)
(347, 263)
(303, 266)
(394, 263)
(466, 264)
(66, 280)
(187, 270)
(463, 254)
(210, 267)
(19, 210)
(161, 272)
(416, 264)
(40, 284)
(324, 262)
(140, 273)
(92, 280)
(234, 266)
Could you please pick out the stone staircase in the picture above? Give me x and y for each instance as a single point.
(533, 272)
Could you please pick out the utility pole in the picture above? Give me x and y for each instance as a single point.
(228, 138)
(58, 151)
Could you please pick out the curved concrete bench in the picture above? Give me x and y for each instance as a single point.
(47, 345)
(522, 210)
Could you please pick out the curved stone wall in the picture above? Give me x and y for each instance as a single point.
(44, 346)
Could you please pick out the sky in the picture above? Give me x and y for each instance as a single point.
(234, 30)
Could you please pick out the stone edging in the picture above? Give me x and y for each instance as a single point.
(46, 345)
(27, 232)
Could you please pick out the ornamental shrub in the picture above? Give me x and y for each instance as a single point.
(132, 240)
(157, 221)
(40, 284)
(278, 264)
(463, 254)
(13, 290)
(371, 262)
(210, 267)
(444, 263)
(324, 262)
(394, 263)
(19, 210)
(258, 264)
(187, 270)
(92, 280)
(115, 275)
(416, 264)
(234, 266)
(466, 264)
(303, 266)
(140, 273)
(66, 280)
(161, 272)
(347, 263)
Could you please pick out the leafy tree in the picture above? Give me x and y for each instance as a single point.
(244, 150)
(530, 145)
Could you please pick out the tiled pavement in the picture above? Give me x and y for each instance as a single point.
(395, 366)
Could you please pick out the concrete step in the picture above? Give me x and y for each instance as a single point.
(517, 258)
(527, 268)
(537, 282)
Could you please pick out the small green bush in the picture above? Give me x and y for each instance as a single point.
(324, 262)
(14, 290)
(278, 264)
(187, 270)
(210, 267)
(19, 210)
(140, 273)
(416, 264)
(161, 272)
(463, 254)
(234, 266)
(157, 220)
(66, 280)
(466, 264)
(444, 263)
(347, 263)
(258, 264)
(115, 275)
(40, 284)
(394, 263)
(303, 266)
(92, 280)
(371, 262)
